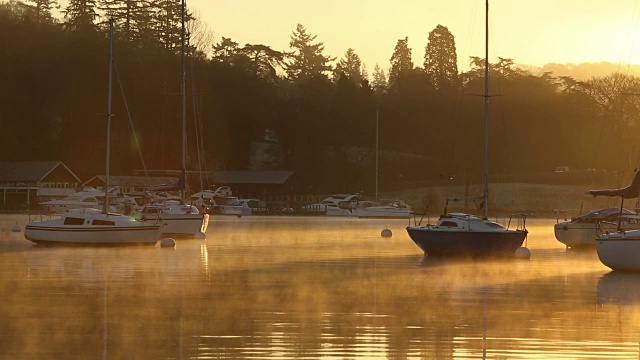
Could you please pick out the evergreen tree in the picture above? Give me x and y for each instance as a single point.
(505, 68)
(306, 59)
(42, 9)
(263, 59)
(401, 63)
(379, 83)
(440, 59)
(351, 66)
(80, 15)
(225, 51)
(123, 13)
(168, 22)
(144, 24)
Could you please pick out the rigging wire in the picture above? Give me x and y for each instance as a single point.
(126, 106)
(498, 81)
(198, 127)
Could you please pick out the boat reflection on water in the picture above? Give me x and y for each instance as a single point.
(617, 287)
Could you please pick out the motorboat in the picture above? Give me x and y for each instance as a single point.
(92, 198)
(469, 235)
(388, 209)
(253, 207)
(336, 205)
(180, 220)
(582, 230)
(93, 227)
(620, 250)
(82, 199)
(219, 201)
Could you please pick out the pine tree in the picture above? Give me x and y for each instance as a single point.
(401, 63)
(263, 59)
(168, 22)
(80, 15)
(440, 59)
(42, 9)
(122, 12)
(351, 66)
(225, 51)
(306, 59)
(379, 83)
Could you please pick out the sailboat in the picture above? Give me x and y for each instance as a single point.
(92, 226)
(620, 250)
(181, 220)
(460, 234)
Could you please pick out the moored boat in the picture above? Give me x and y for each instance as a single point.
(180, 220)
(582, 230)
(384, 209)
(468, 235)
(620, 250)
(93, 227)
(457, 234)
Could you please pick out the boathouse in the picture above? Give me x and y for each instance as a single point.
(25, 183)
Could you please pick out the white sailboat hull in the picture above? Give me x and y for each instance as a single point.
(184, 225)
(620, 251)
(580, 234)
(95, 229)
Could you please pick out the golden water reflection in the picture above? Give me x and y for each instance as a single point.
(270, 287)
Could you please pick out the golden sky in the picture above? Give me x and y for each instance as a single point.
(532, 32)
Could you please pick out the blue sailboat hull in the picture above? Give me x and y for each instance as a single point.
(436, 242)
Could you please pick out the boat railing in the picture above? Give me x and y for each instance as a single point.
(558, 213)
(521, 220)
(600, 231)
(41, 216)
(419, 223)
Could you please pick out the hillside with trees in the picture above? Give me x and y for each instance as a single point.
(321, 108)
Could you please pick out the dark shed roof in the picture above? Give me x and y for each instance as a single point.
(29, 171)
(132, 181)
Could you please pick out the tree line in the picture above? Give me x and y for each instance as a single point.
(322, 109)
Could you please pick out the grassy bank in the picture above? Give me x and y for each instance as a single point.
(540, 200)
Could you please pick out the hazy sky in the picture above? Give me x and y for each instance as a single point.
(530, 32)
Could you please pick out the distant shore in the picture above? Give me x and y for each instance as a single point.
(539, 200)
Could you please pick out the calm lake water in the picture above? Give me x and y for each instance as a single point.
(292, 288)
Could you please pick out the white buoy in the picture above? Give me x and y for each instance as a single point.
(386, 233)
(167, 242)
(16, 228)
(523, 253)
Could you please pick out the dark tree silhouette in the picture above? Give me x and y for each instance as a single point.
(306, 59)
(440, 58)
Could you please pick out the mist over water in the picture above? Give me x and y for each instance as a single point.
(280, 287)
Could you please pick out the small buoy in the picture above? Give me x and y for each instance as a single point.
(386, 233)
(523, 253)
(167, 242)
(16, 228)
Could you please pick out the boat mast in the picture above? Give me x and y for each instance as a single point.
(486, 114)
(184, 103)
(105, 209)
(377, 122)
